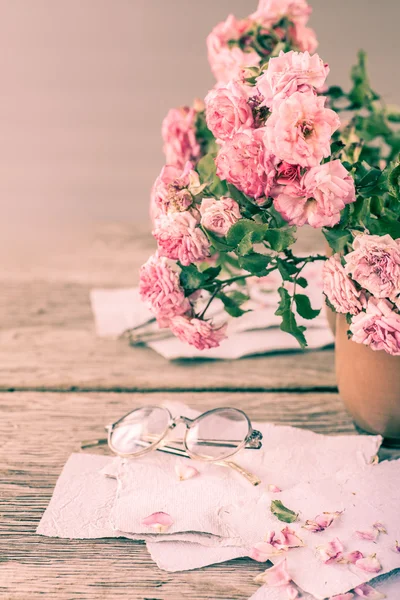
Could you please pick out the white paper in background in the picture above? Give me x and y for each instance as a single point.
(371, 496)
(75, 512)
(256, 332)
(116, 310)
(389, 585)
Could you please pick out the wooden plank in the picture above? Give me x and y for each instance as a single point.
(47, 338)
(38, 431)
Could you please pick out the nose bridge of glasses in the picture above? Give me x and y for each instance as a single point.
(184, 420)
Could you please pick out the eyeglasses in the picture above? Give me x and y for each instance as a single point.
(214, 436)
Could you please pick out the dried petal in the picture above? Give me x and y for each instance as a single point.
(159, 521)
(276, 576)
(397, 547)
(332, 551)
(379, 527)
(351, 557)
(274, 489)
(347, 596)
(289, 538)
(374, 460)
(292, 592)
(371, 535)
(370, 564)
(262, 551)
(185, 471)
(322, 522)
(366, 591)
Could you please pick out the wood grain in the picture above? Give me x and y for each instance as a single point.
(37, 434)
(47, 338)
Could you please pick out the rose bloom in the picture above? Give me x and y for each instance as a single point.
(287, 174)
(179, 135)
(378, 327)
(179, 237)
(227, 62)
(244, 162)
(300, 128)
(170, 191)
(304, 38)
(218, 216)
(340, 289)
(291, 72)
(319, 197)
(271, 12)
(228, 111)
(375, 264)
(197, 332)
(160, 289)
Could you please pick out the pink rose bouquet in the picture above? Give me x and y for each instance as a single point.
(264, 154)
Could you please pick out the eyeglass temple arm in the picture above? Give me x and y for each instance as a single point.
(93, 443)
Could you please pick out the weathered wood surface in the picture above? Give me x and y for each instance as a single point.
(47, 338)
(38, 431)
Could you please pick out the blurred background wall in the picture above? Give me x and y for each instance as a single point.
(85, 85)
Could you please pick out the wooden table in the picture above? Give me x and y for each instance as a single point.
(59, 384)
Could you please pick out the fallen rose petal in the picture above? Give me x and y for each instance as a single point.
(290, 539)
(347, 596)
(397, 547)
(366, 591)
(370, 564)
(292, 592)
(322, 522)
(159, 521)
(333, 551)
(185, 471)
(379, 527)
(274, 489)
(276, 576)
(262, 551)
(351, 557)
(371, 536)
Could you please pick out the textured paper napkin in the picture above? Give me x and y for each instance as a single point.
(82, 501)
(366, 497)
(389, 585)
(150, 485)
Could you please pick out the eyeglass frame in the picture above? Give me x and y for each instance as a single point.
(253, 440)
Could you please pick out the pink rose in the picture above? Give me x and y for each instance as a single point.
(375, 265)
(271, 12)
(179, 237)
(197, 332)
(304, 38)
(244, 162)
(299, 130)
(228, 111)
(179, 135)
(287, 174)
(340, 289)
(160, 289)
(218, 216)
(323, 192)
(291, 72)
(170, 191)
(378, 327)
(227, 62)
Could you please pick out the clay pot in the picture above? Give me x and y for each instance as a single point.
(369, 385)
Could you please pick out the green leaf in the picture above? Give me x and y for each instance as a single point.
(280, 239)
(244, 227)
(191, 278)
(384, 225)
(335, 92)
(248, 208)
(255, 263)
(289, 324)
(304, 308)
(394, 182)
(283, 513)
(211, 273)
(207, 171)
(287, 270)
(217, 242)
(238, 297)
(337, 238)
(368, 183)
(231, 305)
(302, 282)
